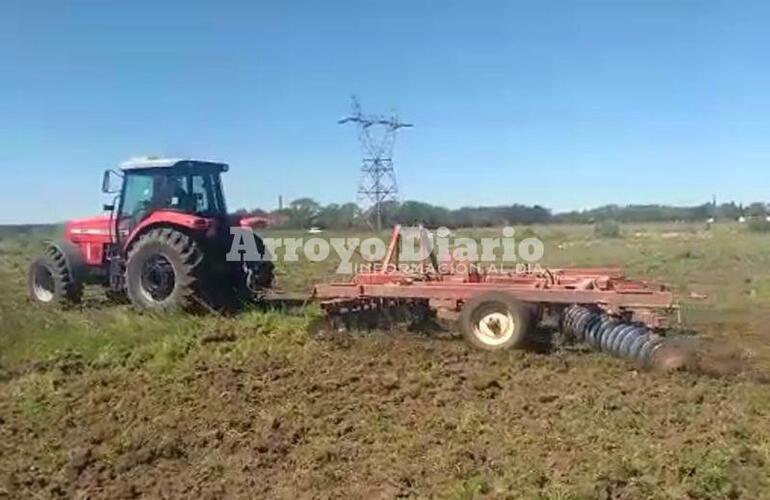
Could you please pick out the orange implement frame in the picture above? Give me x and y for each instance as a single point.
(447, 292)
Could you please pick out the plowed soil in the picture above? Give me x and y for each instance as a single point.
(380, 417)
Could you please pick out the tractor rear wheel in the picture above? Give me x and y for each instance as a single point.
(163, 271)
(51, 281)
(495, 321)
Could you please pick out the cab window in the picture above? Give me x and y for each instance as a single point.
(137, 194)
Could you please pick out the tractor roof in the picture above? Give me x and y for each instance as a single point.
(153, 162)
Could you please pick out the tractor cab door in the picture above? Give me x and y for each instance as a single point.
(136, 202)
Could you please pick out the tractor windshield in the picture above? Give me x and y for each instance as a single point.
(194, 193)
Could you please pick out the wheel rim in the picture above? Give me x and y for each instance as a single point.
(157, 278)
(493, 324)
(43, 285)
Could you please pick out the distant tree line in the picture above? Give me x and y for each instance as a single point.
(32, 230)
(306, 212)
(662, 213)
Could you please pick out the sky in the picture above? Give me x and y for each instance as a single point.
(566, 104)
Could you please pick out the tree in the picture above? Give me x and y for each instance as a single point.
(756, 209)
(416, 212)
(303, 212)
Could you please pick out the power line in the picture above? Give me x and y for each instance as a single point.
(377, 185)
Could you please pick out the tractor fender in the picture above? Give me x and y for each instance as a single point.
(142, 230)
(76, 263)
(186, 223)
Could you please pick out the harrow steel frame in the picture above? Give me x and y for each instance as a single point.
(446, 293)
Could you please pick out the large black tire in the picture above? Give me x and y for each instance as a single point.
(163, 271)
(51, 281)
(495, 321)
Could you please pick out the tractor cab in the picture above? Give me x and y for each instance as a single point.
(175, 186)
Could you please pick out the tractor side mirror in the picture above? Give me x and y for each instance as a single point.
(108, 207)
(107, 181)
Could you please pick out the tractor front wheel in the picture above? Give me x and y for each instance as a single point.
(163, 271)
(50, 280)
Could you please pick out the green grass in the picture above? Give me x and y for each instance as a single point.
(721, 277)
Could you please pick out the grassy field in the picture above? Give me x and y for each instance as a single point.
(106, 402)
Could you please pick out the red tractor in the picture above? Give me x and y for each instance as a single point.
(163, 244)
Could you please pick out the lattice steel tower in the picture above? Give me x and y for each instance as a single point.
(377, 186)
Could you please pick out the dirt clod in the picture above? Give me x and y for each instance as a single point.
(218, 336)
(483, 382)
(79, 460)
(548, 398)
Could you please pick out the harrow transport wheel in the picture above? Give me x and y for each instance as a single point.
(495, 321)
(163, 271)
(50, 280)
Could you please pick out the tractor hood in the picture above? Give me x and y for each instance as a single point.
(91, 228)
